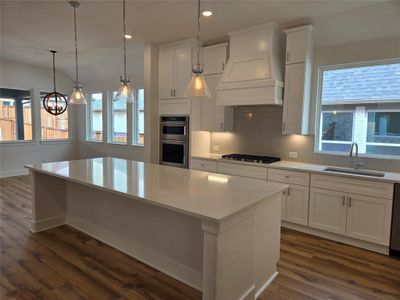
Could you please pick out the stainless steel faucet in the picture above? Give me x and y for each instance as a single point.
(356, 163)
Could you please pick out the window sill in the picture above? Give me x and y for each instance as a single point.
(367, 156)
(17, 143)
(54, 142)
(96, 142)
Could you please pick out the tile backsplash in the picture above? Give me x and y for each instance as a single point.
(257, 130)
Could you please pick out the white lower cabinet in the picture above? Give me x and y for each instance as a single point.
(284, 207)
(297, 204)
(328, 210)
(357, 216)
(368, 219)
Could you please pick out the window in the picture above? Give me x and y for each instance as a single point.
(118, 121)
(360, 103)
(138, 138)
(15, 115)
(95, 116)
(53, 127)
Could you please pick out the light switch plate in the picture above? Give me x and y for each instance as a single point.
(292, 154)
(215, 148)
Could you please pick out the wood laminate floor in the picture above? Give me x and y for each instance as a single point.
(63, 263)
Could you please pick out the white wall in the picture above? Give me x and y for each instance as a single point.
(13, 156)
(261, 134)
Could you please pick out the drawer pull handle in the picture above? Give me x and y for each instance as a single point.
(349, 201)
(344, 201)
(288, 191)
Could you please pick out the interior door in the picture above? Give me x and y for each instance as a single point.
(328, 210)
(166, 73)
(369, 218)
(297, 204)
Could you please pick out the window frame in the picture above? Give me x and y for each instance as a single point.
(135, 119)
(33, 107)
(318, 106)
(52, 141)
(89, 117)
(111, 119)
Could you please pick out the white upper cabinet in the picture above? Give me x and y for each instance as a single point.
(175, 70)
(215, 58)
(296, 103)
(215, 117)
(298, 44)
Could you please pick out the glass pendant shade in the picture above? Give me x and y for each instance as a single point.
(77, 96)
(197, 86)
(125, 92)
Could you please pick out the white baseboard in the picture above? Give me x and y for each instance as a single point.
(338, 238)
(156, 260)
(41, 225)
(14, 173)
(266, 284)
(249, 294)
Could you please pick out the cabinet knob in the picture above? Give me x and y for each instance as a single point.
(222, 126)
(349, 201)
(344, 201)
(174, 93)
(288, 191)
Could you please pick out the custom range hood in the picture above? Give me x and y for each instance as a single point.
(253, 74)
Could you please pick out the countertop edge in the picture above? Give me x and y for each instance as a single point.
(155, 203)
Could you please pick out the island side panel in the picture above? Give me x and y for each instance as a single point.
(228, 263)
(167, 240)
(48, 201)
(267, 242)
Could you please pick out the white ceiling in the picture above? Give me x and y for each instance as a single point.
(30, 28)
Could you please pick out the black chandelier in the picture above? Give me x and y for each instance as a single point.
(54, 102)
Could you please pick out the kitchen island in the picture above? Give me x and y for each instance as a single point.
(217, 233)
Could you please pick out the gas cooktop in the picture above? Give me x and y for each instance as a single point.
(251, 158)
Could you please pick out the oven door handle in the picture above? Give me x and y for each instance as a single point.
(173, 123)
(175, 142)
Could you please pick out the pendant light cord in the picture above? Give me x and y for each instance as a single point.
(76, 50)
(54, 69)
(198, 34)
(124, 30)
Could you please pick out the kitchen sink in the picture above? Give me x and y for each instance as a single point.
(356, 172)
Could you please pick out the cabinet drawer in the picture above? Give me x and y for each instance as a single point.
(203, 165)
(350, 185)
(242, 170)
(290, 177)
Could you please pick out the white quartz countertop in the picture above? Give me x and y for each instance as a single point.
(392, 177)
(201, 194)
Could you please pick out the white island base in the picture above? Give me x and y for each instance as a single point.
(234, 257)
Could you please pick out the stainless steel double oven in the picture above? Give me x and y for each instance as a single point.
(174, 141)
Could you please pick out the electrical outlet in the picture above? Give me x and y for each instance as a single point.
(292, 154)
(215, 148)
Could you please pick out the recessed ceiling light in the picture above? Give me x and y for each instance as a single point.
(128, 36)
(207, 13)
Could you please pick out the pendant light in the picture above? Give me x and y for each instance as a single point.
(55, 103)
(125, 91)
(197, 86)
(77, 96)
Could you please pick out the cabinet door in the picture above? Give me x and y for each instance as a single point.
(297, 204)
(214, 59)
(293, 100)
(166, 73)
(328, 210)
(297, 46)
(368, 219)
(183, 70)
(284, 206)
(215, 117)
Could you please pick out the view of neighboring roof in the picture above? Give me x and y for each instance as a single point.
(369, 84)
